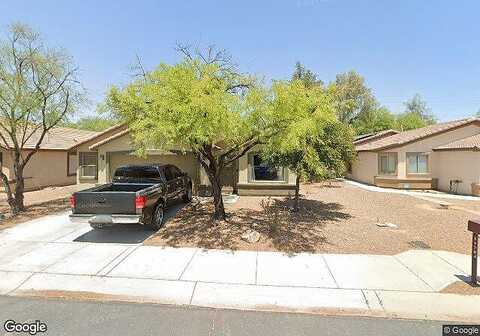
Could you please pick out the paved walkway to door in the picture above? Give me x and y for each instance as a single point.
(53, 257)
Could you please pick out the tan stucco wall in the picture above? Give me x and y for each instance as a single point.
(45, 168)
(426, 146)
(243, 172)
(85, 148)
(123, 143)
(457, 165)
(119, 152)
(7, 164)
(187, 163)
(365, 167)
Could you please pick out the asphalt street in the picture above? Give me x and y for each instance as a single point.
(68, 317)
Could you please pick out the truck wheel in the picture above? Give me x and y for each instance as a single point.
(157, 218)
(187, 197)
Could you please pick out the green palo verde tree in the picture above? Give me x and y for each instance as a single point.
(202, 104)
(38, 90)
(315, 145)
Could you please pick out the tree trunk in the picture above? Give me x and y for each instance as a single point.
(8, 190)
(18, 205)
(217, 197)
(297, 193)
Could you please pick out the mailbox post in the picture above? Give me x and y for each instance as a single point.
(474, 226)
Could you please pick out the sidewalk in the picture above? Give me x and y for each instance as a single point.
(54, 260)
(441, 195)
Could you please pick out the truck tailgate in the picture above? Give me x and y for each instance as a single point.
(105, 203)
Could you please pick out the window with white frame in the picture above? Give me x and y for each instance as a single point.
(417, 163)
(261, 171)
(88, 164)
(387, 163)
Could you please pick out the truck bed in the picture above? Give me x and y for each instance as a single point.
(111, 198)
(124, 187)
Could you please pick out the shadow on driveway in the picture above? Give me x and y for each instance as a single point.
(126, 233)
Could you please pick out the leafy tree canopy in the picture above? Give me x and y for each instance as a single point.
(202, 104)
(374, 121)
(39, 89)
(352, 98)
(305, 75)
(315, 145)
(419, 107)
(408, 121)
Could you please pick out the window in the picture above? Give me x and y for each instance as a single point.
(387, 163)
(136, 172)
(417, 163)
(72, 163)
(169, 173)
(176, 172)
(88, 164)
(261, 171)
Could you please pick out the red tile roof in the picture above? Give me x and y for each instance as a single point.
(406, 137)
(58, 138)
(373, 136)
(471, 142)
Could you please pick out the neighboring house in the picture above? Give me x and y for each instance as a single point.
(100, 155)
(444, 156)
(54, 164)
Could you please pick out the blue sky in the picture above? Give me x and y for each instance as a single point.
(431, 47)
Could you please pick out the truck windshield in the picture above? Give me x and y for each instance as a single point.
(139, 173)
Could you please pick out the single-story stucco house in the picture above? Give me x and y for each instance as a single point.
(101, 155)
(55, 163)
(443, 156)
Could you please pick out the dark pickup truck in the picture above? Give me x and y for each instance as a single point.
(138, 194)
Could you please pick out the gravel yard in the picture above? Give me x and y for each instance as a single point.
(334, 218)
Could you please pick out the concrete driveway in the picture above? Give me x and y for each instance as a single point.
(52, 256)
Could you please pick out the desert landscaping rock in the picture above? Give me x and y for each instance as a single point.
(387, 225)
(251, 236)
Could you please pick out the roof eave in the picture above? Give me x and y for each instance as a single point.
(461, 149)
(474, 121)
(106, 140)
(112, 128)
